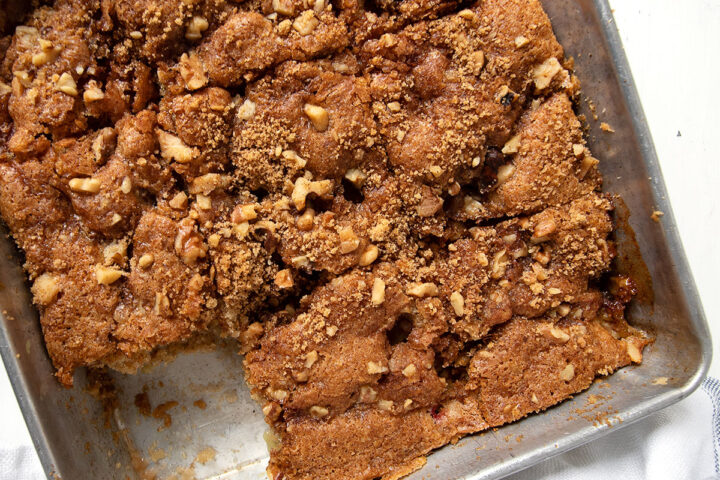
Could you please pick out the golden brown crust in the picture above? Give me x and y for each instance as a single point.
(389, 205)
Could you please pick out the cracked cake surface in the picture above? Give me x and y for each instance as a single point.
(389, 205)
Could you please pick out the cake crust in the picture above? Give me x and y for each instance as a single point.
(390, 206)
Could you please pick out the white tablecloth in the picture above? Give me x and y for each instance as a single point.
(673, 50)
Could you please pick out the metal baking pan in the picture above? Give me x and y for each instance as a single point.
(224, 440)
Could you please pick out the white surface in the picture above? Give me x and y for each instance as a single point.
(672, 47)
(674, 51)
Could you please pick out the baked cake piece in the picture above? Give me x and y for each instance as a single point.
(390, 206)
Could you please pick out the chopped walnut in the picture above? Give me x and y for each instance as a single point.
(300, 261)
(374, 368)
(543, 230)
(500, 262)
(84, 185)
(422, 290)
(521, 41)
(246, 111)
(505, 172)
(331, 330)
(179, 201)
(634, 353)
(409, 371)
(45, 288)
(482, 259)
(319, 412)
(48, 53)
(385, 404)
(467, 14)
(512, 145)
(188, 243)
(292, 155)
(545, 72)
(578, 149)
(306, 22)
(378, 292)
(588, 162)
(394, 107)
(311, 358)
(192, 71)
(369, 255)
(104, 144)
(203, 202)
(146, 260)
(107, 275)
(208, 183)
(477, 61)
(567, 373)
(306, 221)
(243, 213)
(284, 279)
(304, 187)
(356, 177)
(115, 253)
(283, 7)
(367, 394)
(66, 84)
(319, 6)
(126, 185)
(558, 334)
(23, 77)
(458, 303)
(349, 242)
(318, 116)
(195, 28)
(279, 395)
(172, 148)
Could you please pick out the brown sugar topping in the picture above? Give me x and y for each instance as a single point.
(392, 210)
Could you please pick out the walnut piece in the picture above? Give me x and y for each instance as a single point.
(318, 116)
(422, 290)
(374, 368)
(284, 279)
(195, 28)
(304, 187)
(283, 7)
(45, 288)
(504, 173)
(543, 230)
(172, 148)
(192, 71)
(512, 145)
(567, 373)
(146, 260)
(369, 255)
(409, 371)
(66, 84)
(305, 23)
(349, 242)
(458, 303)
(107, 275)
(378, 292)
(84, 185)
(545, 72)
(319, 412)
(246, 111)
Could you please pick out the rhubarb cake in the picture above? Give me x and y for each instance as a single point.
(389, 205)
